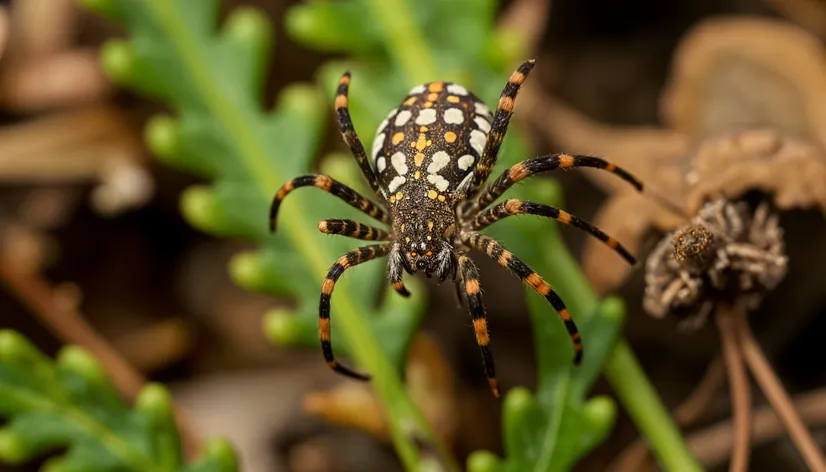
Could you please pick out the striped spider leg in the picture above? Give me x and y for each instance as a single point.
(429, 160)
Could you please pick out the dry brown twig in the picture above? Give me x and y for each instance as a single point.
(727, 322)
(59, 313)
(636, 457)
(779, 399)
(712, 445)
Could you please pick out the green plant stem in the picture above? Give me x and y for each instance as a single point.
(641, 401)
(404, 418)
(623, 371)
(406, 41)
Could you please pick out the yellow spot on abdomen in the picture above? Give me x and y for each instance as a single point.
(450, 136)
(432, 97)
(418, 159)
(453, 99)
(398, 137)
(410, 100)
(431, 194)
(436, 87)
(416, 175)
(421, 143)
(399, 196)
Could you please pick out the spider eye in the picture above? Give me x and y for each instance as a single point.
(420, 264)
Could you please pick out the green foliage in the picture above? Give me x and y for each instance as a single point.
(212, 78)
(71, 404)
(554, 427)
(551, 430)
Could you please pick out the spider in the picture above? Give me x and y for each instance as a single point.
(430, 159)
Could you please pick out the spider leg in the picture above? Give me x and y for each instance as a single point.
(330, 185)
(520, 207)
(507, 259)
(396, 265)
(546, 163)
(352, 229)
(470, 278)
(458, 286)
(348, 132)
(351, 259)
(499, 125)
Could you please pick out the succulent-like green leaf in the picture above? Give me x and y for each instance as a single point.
(221, 130)
(70, 403)
(211, 76)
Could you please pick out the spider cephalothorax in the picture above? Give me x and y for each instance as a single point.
(430, 160)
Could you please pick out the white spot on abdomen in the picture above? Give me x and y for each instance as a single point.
(378, 142)
(426, 116)
(454, 116)
(438, 181)
(398, 162)
(416, 90)
(392, 112)
(465, 161)
(482, 124)
(381, 163)
(456, 89)
(402, 117)
(396, 183)
(477, 140)
(439, 160)
(482, 109)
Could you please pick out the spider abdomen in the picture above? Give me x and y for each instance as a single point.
(428, 146)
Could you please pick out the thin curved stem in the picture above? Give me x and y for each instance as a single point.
(70, 326)
(779, 399)
(403, 416)
(713, 444)
(636, 457)
(642, 403)
(727, 319)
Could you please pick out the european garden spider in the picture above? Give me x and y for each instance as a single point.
(430, 158)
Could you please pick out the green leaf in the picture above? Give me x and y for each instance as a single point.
(70, 403)
(551, 429)
(210, 76)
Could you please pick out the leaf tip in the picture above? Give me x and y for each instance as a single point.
(483, 461)
(282, 327)
(302, 100)
(613, 308)
(15, 347)
(199, 208)
(82, 362)
(247, 270)
(250, 26)
(155, 401)
(221, 452)
(13, 447)
(118, 61)
(162, 136)
(600, 412)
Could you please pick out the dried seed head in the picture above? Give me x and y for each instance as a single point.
(727, 253)
(694, 247)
